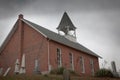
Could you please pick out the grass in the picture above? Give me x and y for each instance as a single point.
(51, 77)
(33, 77)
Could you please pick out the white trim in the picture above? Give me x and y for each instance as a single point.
(7, 71)
(34, 28)
(23, 66)
(17, 65)
(1, 71)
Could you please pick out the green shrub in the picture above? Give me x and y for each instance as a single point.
(60, 70)
(57, 71)
(45, 75)
(54, 71)
(72, 72)
(103, 73)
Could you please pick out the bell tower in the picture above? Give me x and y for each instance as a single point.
(67, 27)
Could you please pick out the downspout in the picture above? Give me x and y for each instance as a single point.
(21, 33)
(49, 67)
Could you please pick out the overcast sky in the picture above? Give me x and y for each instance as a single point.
(97, 21)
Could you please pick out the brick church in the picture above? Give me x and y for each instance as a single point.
(30, 49)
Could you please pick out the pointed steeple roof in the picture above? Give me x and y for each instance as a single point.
(65, 22)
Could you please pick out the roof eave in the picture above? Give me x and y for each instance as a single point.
(77, 49)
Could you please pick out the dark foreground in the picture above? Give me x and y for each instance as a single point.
(51, 77)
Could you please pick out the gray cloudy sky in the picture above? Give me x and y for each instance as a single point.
(97, 21)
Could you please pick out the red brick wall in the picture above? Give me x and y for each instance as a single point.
(11, 52)
(35, 46)
(65, 58)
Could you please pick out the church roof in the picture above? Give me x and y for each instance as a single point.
(59, 38)
(65, 22)
(48, 34)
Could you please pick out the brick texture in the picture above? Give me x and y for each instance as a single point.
(35, 46)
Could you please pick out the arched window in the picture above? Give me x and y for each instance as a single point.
(59, 59)
(82, 67)
(71, 61)
(92, 66)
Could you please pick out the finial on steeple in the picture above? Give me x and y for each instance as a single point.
(20, 16)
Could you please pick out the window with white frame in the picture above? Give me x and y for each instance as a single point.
(36, 65)
(71, 61)
(82, 67)
(92, 66)
(59, 59)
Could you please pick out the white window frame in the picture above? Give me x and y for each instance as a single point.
(59, 63)
(36, 65)
(82, 68)
(71, 64)
(92, 66)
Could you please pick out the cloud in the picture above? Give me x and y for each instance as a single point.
(10, 8)
(97, 21)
